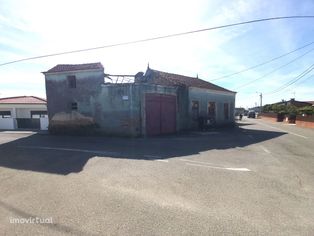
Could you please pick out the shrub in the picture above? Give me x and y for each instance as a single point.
(308, 110)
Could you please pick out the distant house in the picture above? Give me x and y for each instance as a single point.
(155, 103)
(23, 112)
(293, 102)
(310, 102)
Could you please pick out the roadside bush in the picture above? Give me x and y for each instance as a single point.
(308, 110)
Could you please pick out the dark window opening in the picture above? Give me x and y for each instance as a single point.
(74, 106)
(72, 81)
(38, 114)
(5, 114)
(195, 110)
(211, 109)
(226, 111)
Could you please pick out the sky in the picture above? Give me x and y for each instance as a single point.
(35, 27)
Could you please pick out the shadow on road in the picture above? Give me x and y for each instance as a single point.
(67, 154)
(239, 123)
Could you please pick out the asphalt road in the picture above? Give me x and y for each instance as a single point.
(255, 179)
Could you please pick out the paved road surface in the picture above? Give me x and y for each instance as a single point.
(257, 179)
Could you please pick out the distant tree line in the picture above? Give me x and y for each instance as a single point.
(288, 109)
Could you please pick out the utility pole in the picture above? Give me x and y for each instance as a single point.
(261, 103)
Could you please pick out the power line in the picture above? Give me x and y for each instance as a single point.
(272, 71)
(283, 89)
(309, 77)
(155, 38)
(263, 63)
(294, 80)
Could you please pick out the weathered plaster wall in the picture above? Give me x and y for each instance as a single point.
(117, 109)
(121, 107)
(204, 96)
(183, 120)
(60, 95)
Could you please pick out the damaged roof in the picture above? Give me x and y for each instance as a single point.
(23, 100)
(75, 67)
(169, 79)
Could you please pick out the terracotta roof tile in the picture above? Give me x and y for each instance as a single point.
(169, 79)
(75, 67)
(23, 100)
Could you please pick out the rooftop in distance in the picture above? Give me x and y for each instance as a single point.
(23, 100)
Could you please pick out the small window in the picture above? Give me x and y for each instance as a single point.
(211, 109)
(226, 111)
(5, 114)
(72, 81)
(38, 114)
(74, 106)
(195, 110)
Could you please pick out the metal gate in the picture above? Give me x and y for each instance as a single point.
(28, 123)
(160, 114)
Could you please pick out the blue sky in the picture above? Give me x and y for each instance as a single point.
(31, 28)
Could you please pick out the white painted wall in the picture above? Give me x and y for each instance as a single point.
(7, 123)
(22, 110)
(23, 113)
(44, 123)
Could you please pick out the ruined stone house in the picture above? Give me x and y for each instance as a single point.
(155, 103)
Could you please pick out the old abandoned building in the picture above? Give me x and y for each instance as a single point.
(154, 103)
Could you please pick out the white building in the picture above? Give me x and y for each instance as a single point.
(24, 112)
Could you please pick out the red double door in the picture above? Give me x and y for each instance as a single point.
(160, 114)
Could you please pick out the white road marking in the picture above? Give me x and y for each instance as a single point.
(156, 158)
(265, 149)
(18, 132)
(161, 160)
(221, 168)
(250, 136)
(198, 162)
(209, 165)
(282, 130)
(70, 150)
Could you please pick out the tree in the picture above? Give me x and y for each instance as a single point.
(279, 109)
(308, 110)
(267, 108)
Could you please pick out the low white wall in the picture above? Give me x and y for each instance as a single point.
(44, 123)
(7, 123)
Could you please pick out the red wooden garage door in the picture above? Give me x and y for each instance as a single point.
(160, 114)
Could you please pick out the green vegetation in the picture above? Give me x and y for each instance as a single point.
(288, 109)
(308, 110)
